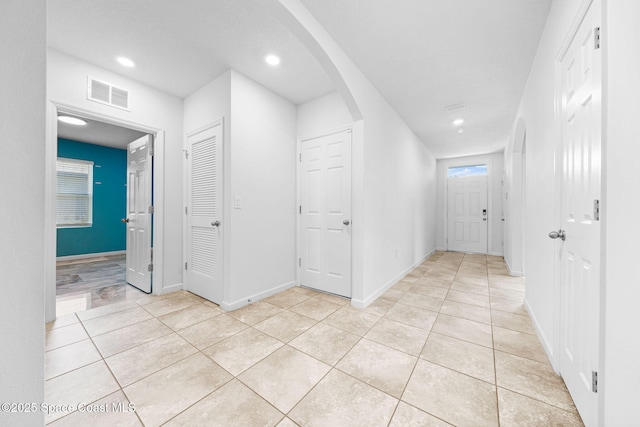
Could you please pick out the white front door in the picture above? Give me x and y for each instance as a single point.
(580, 252)
(139, 213)
(325, 213)
(204, 213)
(467, 215)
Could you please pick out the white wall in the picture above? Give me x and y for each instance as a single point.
(514, 196)
(393, 173)
(619, 380)
(259, 151)
(620, 348)
(263, 174)
(495, 168)
(321, 114)
(22, 165)
(399, 197)
(542, 133)
(149, 108)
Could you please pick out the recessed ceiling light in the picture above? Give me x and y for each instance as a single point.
(272, 60)
(458, 122)
(125, 62)
(72, 120)
(460, 130)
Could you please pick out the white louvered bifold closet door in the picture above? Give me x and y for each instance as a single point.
(204, 213)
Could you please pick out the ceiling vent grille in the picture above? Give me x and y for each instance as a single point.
(456, 107)
(106, 93)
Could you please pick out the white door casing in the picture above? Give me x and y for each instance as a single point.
(467, 214)
(204, 213)
(325, 213)
(139, 215)
(580, 253)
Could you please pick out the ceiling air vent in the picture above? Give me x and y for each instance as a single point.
(106, 93)
(456, 107)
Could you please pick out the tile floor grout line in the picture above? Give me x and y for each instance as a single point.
(362, 335)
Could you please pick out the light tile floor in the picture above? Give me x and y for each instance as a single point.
(449, 344)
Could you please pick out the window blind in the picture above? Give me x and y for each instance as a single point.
(74, 193)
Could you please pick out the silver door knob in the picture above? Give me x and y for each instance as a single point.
(124, 220)
(216, 224)
(560, 234)
(346, 222)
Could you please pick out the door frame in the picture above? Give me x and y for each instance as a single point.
(224, 212)
(299, 142)
(449, 180)
(455, 162)
(583, 9)
(51, 154)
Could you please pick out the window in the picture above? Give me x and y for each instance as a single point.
(74, 193)
(473, 170)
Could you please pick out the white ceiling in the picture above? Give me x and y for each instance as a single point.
(422, 55)
(98, 133)
(179, 46)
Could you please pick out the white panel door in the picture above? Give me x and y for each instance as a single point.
(467, 215)
(204, 214)
(325, 213)
(139, 217)
(580, 252)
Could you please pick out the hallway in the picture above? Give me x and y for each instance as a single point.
(449, 344)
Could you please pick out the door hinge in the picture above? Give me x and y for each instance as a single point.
(151, 147)
(300, 157)
(299, 262)
(185, 265)
(150, 267)
(596, 210)
(596, 38)
(594, 381)
(300, 209)
(151, 210)
(186, 154)
(186, 210)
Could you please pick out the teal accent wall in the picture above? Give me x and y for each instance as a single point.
(107, 233)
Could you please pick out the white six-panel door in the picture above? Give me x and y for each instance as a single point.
(467, 215)
(138, 220)
(325, 213)
(204, 214)
(580, 252)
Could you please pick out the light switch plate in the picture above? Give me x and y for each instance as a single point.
(237, 202)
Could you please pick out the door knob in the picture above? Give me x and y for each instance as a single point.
(346, 222)
(124, 220)
(560, 234)
(216, 224)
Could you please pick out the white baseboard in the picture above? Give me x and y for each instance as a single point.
(497, 254)
(364, 303)
(169, 289)
(511, 271)
(234, 305)
(541, 335)
(85, 256)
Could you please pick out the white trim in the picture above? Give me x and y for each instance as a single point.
(540, 332)
(497, 254)
(326, 132)
(92, 255)
(299, 141)
(224, 215)
(573, 29)
(458, 162)
(234, 305)
(358, 303)
(51, 154)
(170, 288)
